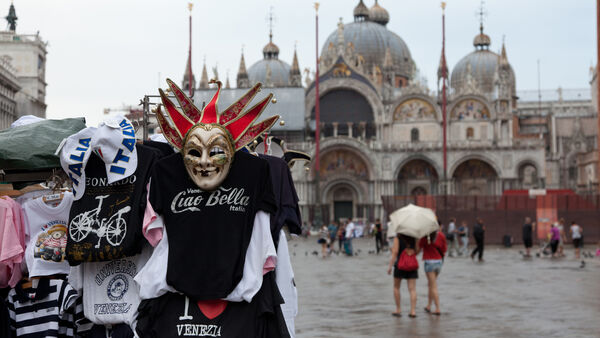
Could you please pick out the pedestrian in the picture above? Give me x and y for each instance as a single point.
(576, 233)
(341, 235)
(554, 238)
(479, 235)
(323, 240)
(463, 235)
(563, 238)
(434, 248)
(408, 246)
(349, 236)
(332, 228)
(528, 230)
(452, 238)
(378, 235)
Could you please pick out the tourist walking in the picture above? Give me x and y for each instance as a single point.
(554, 238)
(332, 228)
(341, 235)
(324, 240)
(528, 230)
(434, 248)
(463, 235)
(576, 233)
(378, 235)
(479, 235)
(349, 236)
(405, 265)
(452, 238)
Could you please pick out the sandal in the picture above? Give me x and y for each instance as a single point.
(412, 316)
(396, 314)
(427, 310)
(436, 313)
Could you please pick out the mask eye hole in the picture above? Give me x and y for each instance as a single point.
(194, 153)
(216, 151)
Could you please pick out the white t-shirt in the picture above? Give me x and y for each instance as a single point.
(350, 230)
(284, 276)
(260, 256)
(46, 228)
(451, 228)
(110, 295)
(576, 231)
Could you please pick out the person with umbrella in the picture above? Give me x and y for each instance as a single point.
(409, 224)
(434, 248)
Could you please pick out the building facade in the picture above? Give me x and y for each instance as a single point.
(381, 128)
(26, 54)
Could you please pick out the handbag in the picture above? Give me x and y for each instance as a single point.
(407, 262)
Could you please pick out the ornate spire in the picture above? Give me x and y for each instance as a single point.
(204, 78)
(503, 57)
(295, 76)
(271, 51)
(242, 75)
(227, 85)
(379, 14)
(186, 76)
(361, 12)
(387, 60)
(11, 18)
(481, 40)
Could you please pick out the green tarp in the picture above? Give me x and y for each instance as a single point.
(32, 146)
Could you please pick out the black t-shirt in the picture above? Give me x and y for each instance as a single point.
(164, 148)
(106, 223)
(169, 316)
(527, 230)
(478, 231)
(288, 211)
(209, 231)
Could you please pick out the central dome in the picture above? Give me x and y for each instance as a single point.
(371, 40)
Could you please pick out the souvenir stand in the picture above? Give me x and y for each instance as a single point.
(158, 239)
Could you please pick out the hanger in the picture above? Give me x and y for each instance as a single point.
(54, 184)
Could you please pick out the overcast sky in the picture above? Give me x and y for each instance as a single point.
(109, 53)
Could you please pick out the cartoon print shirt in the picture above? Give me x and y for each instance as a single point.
(47, 228)
(209, 231)
(106, 222)
(176, 315)
(110, 295)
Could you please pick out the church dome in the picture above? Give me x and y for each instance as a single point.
(361, 12)
(280, 72)
(379, 14)
(371, 40)
(482, 64)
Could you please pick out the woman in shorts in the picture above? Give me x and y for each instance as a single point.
(576, 232)
(401, 243)
(434, 248)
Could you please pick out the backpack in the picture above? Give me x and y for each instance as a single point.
(407, 262)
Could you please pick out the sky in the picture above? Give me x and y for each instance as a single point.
(110, 53)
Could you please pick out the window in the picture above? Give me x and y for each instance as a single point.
(414, 135)
(470, 133)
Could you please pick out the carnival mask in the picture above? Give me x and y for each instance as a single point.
(208, 139)
(207, 155)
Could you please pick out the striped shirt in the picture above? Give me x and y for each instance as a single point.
(46, 311)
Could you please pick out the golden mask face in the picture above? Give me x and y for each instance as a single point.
(207, 154)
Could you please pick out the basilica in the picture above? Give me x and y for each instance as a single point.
(381, 129)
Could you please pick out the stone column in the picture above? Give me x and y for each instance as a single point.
(335, 128)
(363, 129)
(350, 124)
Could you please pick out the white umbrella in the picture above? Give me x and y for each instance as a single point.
(413, 221)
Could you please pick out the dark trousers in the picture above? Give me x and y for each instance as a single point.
(378, 242)
(340, 243)
(479, 248)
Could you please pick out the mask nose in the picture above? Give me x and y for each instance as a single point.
(205, 159)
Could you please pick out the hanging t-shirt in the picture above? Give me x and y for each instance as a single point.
(176, 315)
(47, 228)
(106, 222)
(260, 258)
(43, 311)
(288, 211)
(286, 284)
(211, 229)
(12, 242)
(110, 295)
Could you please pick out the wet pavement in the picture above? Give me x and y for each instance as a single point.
(506, 296)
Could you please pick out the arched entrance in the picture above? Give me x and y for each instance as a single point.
(417, 177)
(343, 202)
(475, 177)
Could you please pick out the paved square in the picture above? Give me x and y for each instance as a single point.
(507, 296)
